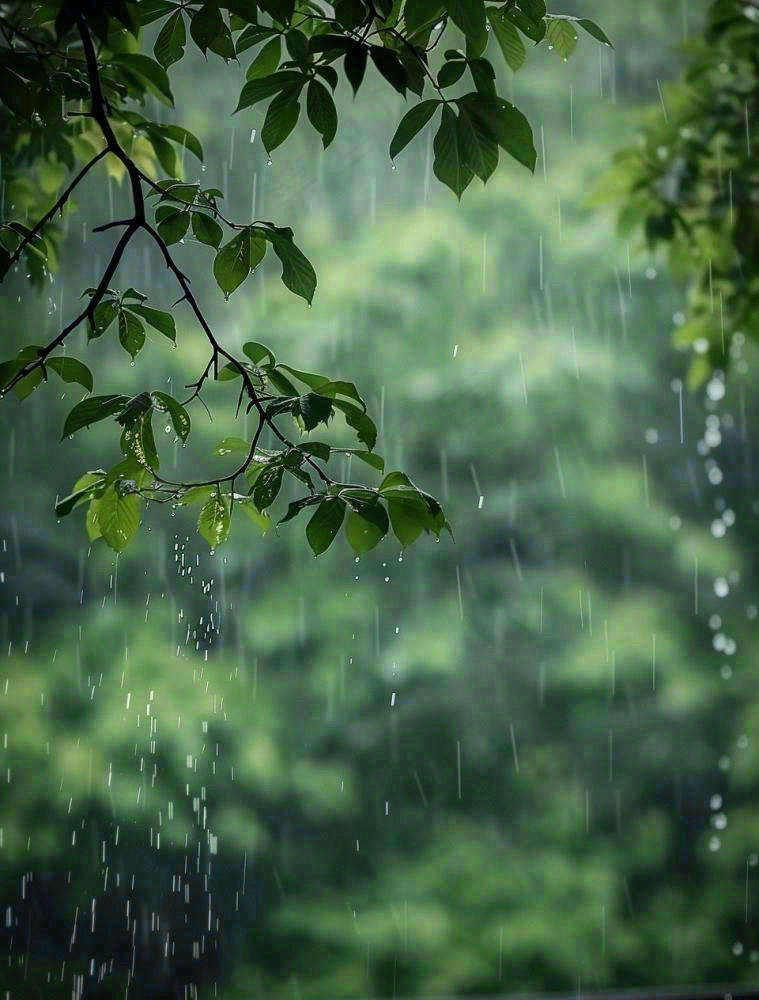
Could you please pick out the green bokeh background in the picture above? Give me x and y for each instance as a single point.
(522, 760)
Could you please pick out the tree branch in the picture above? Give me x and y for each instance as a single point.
(57, 207)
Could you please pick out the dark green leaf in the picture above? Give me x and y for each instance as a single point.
(91, 410)
(267, 487)
(266, 61)
(593, 29)
(450, 73)
(207, 230)
(258, 90)
(297, 273)
(103, 315)
(314, 409)
(234, 262)
(169, 46)
(391, 67)
(159, 320)
(533, 29)
(409, 517)
(505, 123)
(131, 333)
(86, 488)
(450, 165)
(179, 416)
(321, 111)
(477, 143)
(469, 16)
(173, 226)
(297, 506)
(281, 118)
(206, 25)
(315, 448)
(355, 65)
(151, 71)
(367, 525)
(71, 370)
(411, 124)
(361, 422)
(325, 524)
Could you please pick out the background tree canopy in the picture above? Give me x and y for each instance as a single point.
(525, 760)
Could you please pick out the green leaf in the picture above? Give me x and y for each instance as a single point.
(71, 370)
(151, 71)
(561, 36)
(230, 446)
(266, 61)
(259, 518)
(169, 46)
(314, 409)
(366, 526)
(478, 146)
(181, 136)
(206, 25)
(118, 518)
(505, 123)
(134, 409)
(532, 28)
(325, 524)
(483, 76)
(207, 230)
(297, 506)
(90, 411)
(103, 315)
(173, 225)
(356, 56)
(281, 118)
(411, 124)
(28, 384)
(450, 165)
(195, 494)
(593, 29)
(258, 352)
(161, 321)
(317, 449)
(234, 262)
(297, 273)
(131, 333)
(391, 67)
(88, 486)
(469, 16)
(360, 422)
(267, 487)
(179, 416)
(368, 457)
(409, 517)
(451, 72)
(92, 521)
(321, 111)
(213, 522)
(508, 38)
(258, 90)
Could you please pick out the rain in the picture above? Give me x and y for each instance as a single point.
(513, 759)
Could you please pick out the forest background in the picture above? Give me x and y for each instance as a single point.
(525, 759)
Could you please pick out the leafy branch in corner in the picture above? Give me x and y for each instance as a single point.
(54, 54)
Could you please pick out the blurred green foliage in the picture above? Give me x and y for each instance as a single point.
(523, 760)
